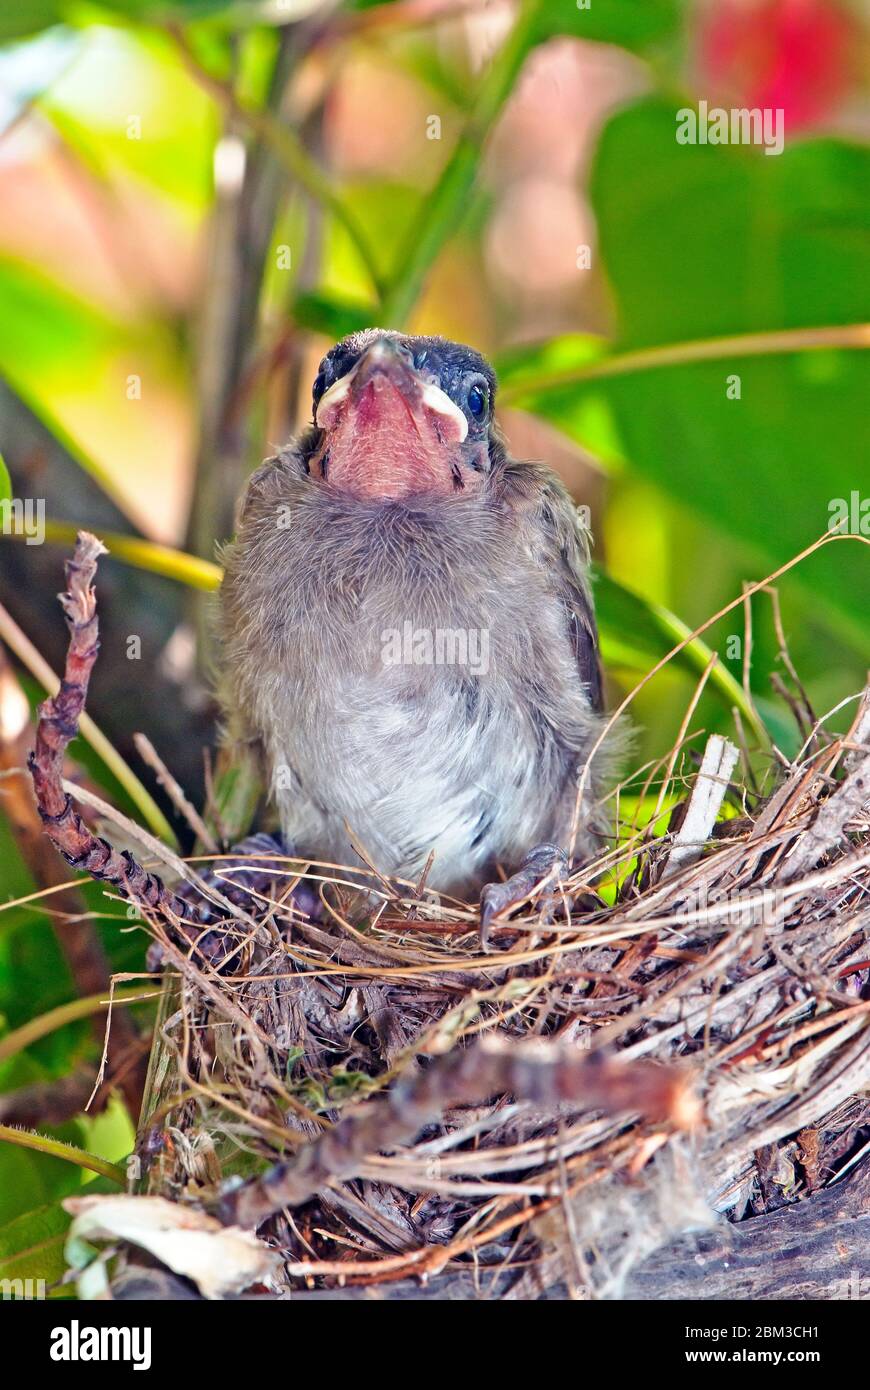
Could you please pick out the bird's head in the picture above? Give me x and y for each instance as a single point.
(397, 416)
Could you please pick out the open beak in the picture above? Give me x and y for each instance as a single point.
(383, 388)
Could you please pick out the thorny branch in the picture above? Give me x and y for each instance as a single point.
(57, 727)
(539, 1072)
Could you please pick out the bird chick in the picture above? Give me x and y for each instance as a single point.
(407, 628)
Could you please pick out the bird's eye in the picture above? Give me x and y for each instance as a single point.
(478, 401)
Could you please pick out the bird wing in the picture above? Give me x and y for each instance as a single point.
(567, 543)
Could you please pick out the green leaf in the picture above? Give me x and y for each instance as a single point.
(31, 1246)
(706, 240)
(635, 24)
(238, 790)
(158, 11)
(632, 24)
(636, 634)
(701, 241)
(531, 377)
(56, 347)
(110, 1135)
(5, 482)
(30, 1180)
(34, 976)
(332, 317)
(20, 18)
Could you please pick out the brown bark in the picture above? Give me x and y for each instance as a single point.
(58, 725)
(815, 1249)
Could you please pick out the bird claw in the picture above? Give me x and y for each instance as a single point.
(544, 862)
(239, 879)
(246, 882)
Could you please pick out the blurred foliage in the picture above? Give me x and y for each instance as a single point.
(703, 242)
(200, 195)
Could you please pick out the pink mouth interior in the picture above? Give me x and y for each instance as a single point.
(382, 445)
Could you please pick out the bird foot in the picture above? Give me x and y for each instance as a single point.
(545, 863)
(246, 878)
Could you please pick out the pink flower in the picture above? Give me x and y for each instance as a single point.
(799, 55)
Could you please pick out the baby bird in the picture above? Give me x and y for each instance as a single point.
(407, 630)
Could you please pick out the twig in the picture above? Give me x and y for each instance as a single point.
(287, 148)
(826, 538)
(708, 793)
(858, 737)
(848, 335)
(682, 735)
(535, 1071)
(827, 831)
(785, 656)
(175, 792)
(27, 654)
(794, 705)
(58, 724)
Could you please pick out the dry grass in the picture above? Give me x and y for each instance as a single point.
(686, 1036)
(747, 967)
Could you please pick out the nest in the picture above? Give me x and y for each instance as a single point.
(644, 1088)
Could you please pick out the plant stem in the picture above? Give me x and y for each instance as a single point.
(848, 335)
(49, 1022)
(696, 653)
(56, 1148)
(39, 668)
(287, 148)
(187, 569)
(447, 204)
